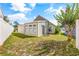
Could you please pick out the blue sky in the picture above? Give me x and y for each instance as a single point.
(27, 12)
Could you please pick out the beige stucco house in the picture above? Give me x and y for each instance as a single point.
(39, 27)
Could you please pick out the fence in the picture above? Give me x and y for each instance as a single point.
(5, 30)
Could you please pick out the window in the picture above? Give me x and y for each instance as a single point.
(34, 25)
(30, 25)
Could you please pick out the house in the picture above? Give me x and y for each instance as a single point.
(39, 27)
(5, 29)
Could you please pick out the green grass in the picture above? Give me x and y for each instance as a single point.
(19, 44)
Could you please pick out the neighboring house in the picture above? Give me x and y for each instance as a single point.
(5, 29)
(65, 32)
(39, 27)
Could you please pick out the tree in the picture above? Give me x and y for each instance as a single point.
(67, 18)
(6, 19)
(57, 29)
(16, 26)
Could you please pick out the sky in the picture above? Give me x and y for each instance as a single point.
(27, 12)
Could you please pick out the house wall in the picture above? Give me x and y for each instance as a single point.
(31, 29)
(37, 30)
(21, 29)
(1, 15)
(52, 27)
(40, 28)
(5, 30)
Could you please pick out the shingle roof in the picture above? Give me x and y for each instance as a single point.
(39, 18)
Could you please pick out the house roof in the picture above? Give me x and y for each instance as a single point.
(38, 18)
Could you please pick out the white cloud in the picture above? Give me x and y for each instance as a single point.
(20, 7)
(55, 22)
(53, 10)
(34, 17)
(32, 5)
(50, 9)
(20, 17)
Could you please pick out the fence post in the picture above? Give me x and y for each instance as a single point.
(77, 33)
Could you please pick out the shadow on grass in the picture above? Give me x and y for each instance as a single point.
(56, 48)
(22, 35)
(41, 48)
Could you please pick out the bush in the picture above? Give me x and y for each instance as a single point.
(57, 30)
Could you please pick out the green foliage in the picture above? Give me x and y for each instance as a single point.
(57, 30)
(22, 35)
(68, 17)
(52, 45)
(6, 19)
(16, 26)
(16, 23)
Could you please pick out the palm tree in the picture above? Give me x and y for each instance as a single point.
(67, 18)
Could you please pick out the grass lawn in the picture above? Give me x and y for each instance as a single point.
(53, 45)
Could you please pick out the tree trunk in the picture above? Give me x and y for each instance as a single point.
(69, 35)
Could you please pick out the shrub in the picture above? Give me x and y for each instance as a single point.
(57, 30)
